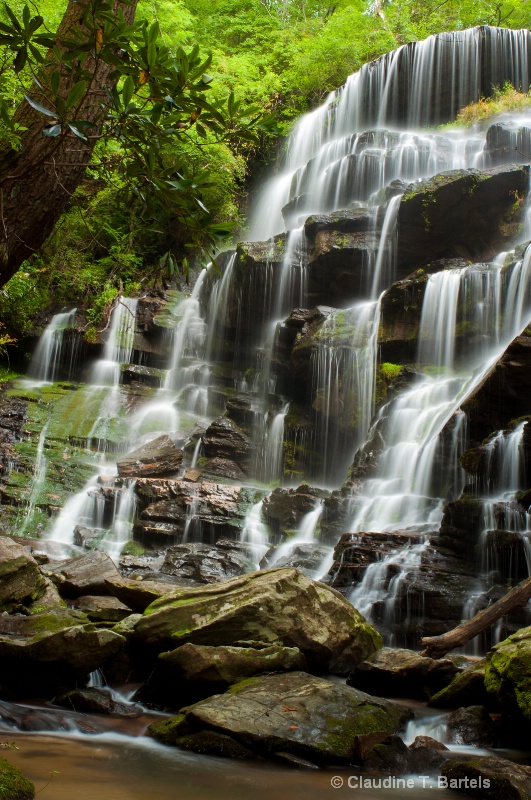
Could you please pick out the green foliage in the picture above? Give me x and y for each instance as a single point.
(390, 371)
(503, 99)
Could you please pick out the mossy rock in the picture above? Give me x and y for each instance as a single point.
(301, 715)
(276, 607)
(467, 688)
(13, 784)
(508, 674)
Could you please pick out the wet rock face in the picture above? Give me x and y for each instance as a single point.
(12, 418)
(274, 607)
(504, 393)
(296, 713)
(471, 725)
(463, 213)
(157, 458)
(207, 511)
(284, 509)
(204, 563)
(224, 439)
(507, 143)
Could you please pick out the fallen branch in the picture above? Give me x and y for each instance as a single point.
(437, 646)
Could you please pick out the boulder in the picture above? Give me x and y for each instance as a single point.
(83, 575)
(295, 713)
(471, 725)
(426, 755)
(88, 538)
(159, 457)
(508, 674)
(193, 672)
(402, 673)
(274, 607)
(20, 578)
(93, 700)
(488, 778)
(51, 650)
(203, 563)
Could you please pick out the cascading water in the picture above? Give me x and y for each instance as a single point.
(330, 163)
(52, 354)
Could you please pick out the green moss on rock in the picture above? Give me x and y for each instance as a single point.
(13, 784)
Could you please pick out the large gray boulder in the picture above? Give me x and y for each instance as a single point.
(273, 607)
(294, 713)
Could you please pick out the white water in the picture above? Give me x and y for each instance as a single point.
(304, 535)
(50, 352)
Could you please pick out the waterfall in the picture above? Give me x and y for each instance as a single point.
(52, 352)
(353, 155)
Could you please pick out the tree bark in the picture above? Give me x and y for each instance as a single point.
(37, 182)
(437, 646)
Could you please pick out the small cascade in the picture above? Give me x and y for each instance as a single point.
(118, 347)
(504, 541)
(342, 387)
(304, 535)
(255, 533)
(55, 353)
(270, 465)
(106, 373)
(123, 517)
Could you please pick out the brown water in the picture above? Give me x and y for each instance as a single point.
(114, 767)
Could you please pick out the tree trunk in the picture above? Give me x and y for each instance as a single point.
(437, 646)
(37, 182)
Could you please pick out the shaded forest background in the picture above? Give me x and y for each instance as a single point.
(282, 55)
